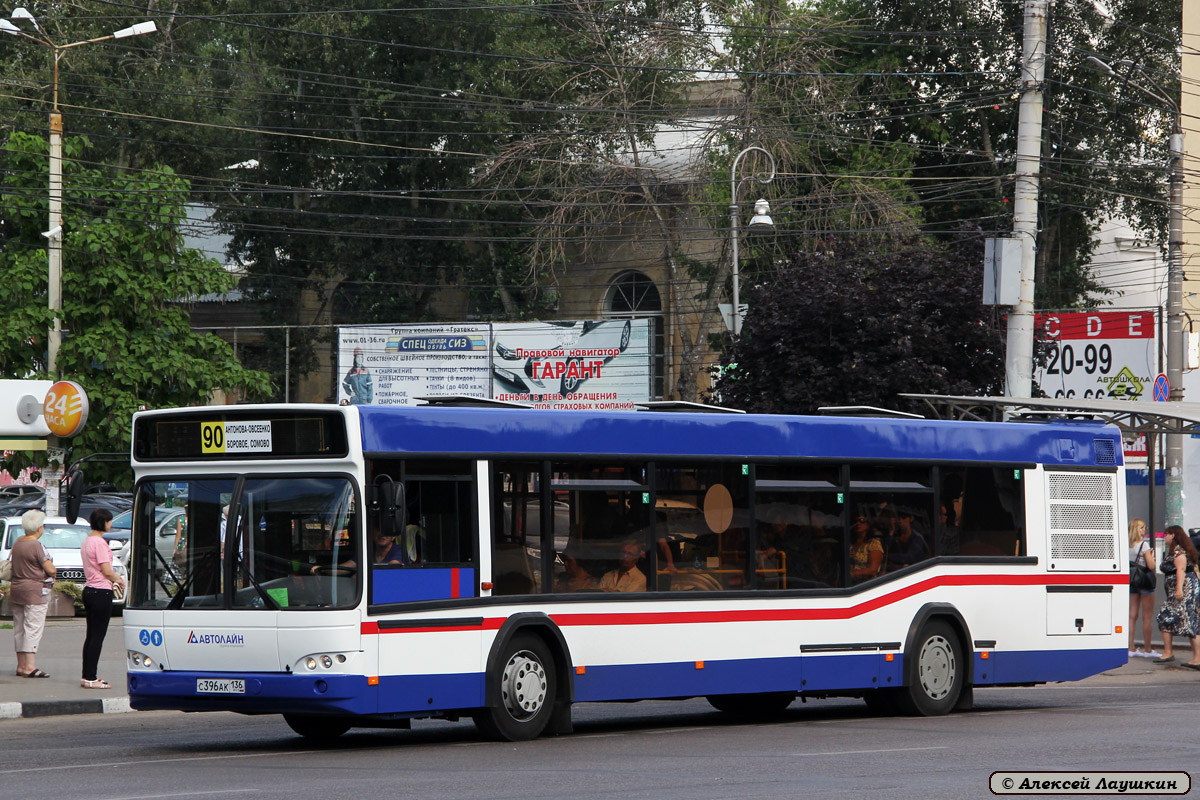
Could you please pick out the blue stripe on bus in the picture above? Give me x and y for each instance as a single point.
(423, 695)
(409, 584)
(1044, 666)
(473, 431)
(265, 692)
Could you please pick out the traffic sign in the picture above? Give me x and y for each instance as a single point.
(65, 409)
(1162, 388)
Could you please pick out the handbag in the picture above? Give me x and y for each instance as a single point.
(6, 570)
(1141, 577)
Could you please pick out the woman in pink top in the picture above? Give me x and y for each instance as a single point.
(97, 594)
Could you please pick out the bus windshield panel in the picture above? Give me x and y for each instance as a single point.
(265, 542)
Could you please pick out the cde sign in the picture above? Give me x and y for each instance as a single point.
(65, 409)
(1099, 354)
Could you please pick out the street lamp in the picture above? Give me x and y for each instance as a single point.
(759, 222)
(54, 231)
(1176, 343)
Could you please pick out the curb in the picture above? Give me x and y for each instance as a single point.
(53, 708)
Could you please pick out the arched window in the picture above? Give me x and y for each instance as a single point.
(632, 295)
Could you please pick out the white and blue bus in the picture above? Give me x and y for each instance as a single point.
(366, 565)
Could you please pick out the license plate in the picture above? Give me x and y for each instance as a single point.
(222, 686)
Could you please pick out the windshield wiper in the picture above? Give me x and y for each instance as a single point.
(270, 601)
(203, 561)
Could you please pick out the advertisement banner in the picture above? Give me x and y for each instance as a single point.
(579, 365)
(1101, 355)
(595, 365)
(395, 364)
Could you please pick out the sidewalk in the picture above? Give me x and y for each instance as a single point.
(61, 654)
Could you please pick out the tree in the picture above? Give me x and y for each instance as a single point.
(953, 96)
(850, 324)
(127, 279)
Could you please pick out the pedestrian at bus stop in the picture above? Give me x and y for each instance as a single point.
(32, 578)
(1141, 601)
(1177, 617)
(97, 594)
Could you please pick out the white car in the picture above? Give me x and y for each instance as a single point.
(62, 541)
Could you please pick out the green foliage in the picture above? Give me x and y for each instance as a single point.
(856, 325)
(953, 99)
(127, 281)
(72, 590)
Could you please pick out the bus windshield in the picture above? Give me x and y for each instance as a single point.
(267, 542)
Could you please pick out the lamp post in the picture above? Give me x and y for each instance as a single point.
(1176, 342)
(760, 221)
(54, 233)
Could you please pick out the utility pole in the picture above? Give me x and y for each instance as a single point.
(1019, 358)
(1175, 334)
(1176, 339)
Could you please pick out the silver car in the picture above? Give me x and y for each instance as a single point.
(62, 541)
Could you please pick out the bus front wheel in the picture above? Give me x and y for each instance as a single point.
(317, 728)
(938, 675)
(525, 689)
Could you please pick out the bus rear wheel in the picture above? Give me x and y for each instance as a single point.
(317, 728)
(752, 706)
(525, 688)
(938, 674)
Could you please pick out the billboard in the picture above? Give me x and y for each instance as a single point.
(579, 365)
(1099, 354)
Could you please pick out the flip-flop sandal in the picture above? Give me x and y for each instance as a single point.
(96, 684)
(1189, 665)
(37, 673)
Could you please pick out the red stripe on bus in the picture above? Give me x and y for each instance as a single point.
(783, 614)
(454, 582)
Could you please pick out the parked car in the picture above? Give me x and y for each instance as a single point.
(62, 541)
(16, 506)
(21, 490)
(164, 534)
(116, 502)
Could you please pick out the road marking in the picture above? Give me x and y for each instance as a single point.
(246, 790)
(162, 761)
(861, 752)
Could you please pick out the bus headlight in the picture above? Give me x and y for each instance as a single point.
(140, 659)
(320, 661)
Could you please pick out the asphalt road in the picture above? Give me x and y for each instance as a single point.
(679, 750)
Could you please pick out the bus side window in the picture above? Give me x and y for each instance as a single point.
(516, 530)
(990, 511)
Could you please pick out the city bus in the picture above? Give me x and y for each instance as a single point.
(364, 566)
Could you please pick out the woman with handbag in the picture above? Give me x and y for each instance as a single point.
(98, 593)
(32, 578)
(1141, 587)
(1177, 617)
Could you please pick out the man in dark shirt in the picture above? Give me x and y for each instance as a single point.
(907, 546)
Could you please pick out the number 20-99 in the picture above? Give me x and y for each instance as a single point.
(1063, 360)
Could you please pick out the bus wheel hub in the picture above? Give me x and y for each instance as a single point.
(523, 685)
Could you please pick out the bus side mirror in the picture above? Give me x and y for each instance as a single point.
(74, 493)
(389, 504)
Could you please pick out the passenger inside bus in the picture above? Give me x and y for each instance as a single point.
(626, 577)
(866, 550)
(907, 546)
(575, 578)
